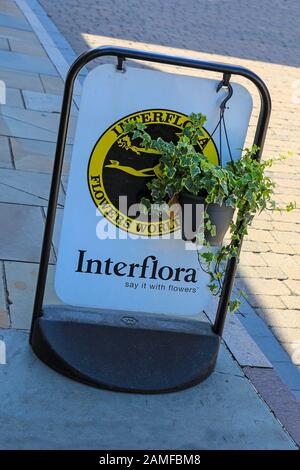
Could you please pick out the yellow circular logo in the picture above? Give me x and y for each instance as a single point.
(119, 167)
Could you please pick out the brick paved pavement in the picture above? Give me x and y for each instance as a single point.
(265, 37)
(258, 30)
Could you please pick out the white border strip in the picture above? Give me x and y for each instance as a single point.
(48, 44)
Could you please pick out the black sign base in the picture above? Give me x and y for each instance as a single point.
(125, 351)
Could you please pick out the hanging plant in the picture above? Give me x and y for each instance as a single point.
(231, 194)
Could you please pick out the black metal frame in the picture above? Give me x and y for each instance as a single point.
(122, 54)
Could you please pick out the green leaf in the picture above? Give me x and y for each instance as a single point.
(213, 231)
(140, 126)
(234, 305)
(188, 183)
(146, 204)
(208, 256)
(184, 160)
(231, 201)
(195, 170)
(171, 172)
(136, 134)
(290, 206)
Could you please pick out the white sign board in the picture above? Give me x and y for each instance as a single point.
(106, 258)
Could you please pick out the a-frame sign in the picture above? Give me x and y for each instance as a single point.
(133, 292)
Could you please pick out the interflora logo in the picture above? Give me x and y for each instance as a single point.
(119, 167)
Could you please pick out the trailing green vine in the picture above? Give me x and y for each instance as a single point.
(242, 184)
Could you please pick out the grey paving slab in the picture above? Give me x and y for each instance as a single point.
(53, 84)
(24, 185)
(61, 64)
(9, 7)
(271, 348)
(11, 21)
(18, 196)
(4, 320)
(279, 398)
(4, 46)
(226, 364)
(44, 102)
(57, 228)
(21, 232)
(14, 98)
(244, 349)
(64, 182)
(23, 62)
(289, 374)
(224, 412)
(30, 124)
(255, 325)
(238, 340)
(27, 81)
(48, 102)
(5, 153)
(21, 281)
(37, 155)
(27, 47)
(13, 33)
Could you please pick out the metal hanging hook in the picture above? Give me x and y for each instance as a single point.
(120, 63)
(225, 83)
